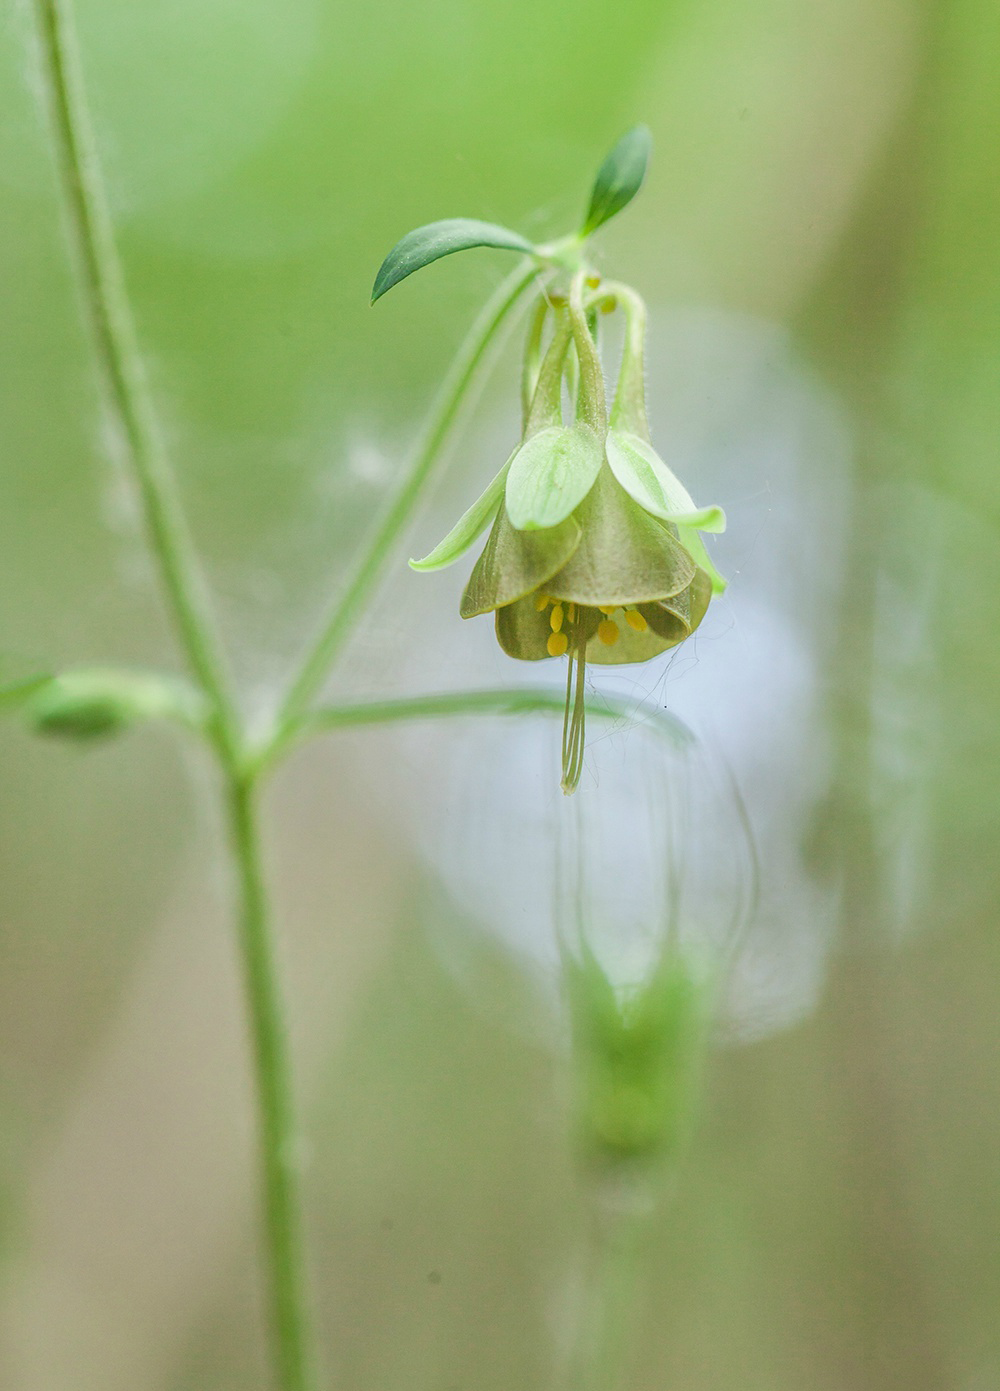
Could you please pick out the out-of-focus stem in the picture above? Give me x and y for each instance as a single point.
(451, 398)
(117, 347)
(110, 316)
(511, 701)
(280, 1146)
(600, 1354)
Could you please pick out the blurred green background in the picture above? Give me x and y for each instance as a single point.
(818, 242)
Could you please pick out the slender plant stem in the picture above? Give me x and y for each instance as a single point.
(116, 344)
(280, 1146)
(510, 701)
(452, 397)
(618, 1275)
(117, 347)
(604, 1334)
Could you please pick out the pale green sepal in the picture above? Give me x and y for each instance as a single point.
(515, 563)
(551, 474)
(625, 556)
(469, 527)
(656, 488)
(696, 549)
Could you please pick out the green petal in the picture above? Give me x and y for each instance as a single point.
(676, 618)
(630, 648)
(624, 557)
(515, 563)
(551, 474)
(645, 477)
(469, 527)
(670, 622)
(522, 631)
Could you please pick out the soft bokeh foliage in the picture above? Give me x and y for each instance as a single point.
(818, 244)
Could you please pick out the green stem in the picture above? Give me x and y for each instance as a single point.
(452, 396)
(280, 1145)
(619, 1249)
(115, 340)
(628, 410)
(532, 364)
(513, 701)
(546, 402)
(592, 401)
(599, 1356)
(117, 347)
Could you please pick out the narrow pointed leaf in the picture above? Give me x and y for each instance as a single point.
(656, 488)
(469, 527)
(551, 474)
(426, 244)
(619, 178)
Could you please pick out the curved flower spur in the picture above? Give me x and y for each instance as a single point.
(594, 551)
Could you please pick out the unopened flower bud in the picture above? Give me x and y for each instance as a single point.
(98, 704)
(637, 1053)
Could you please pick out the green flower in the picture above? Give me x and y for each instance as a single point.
(594, 551)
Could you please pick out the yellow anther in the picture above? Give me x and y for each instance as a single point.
(607, 631)
(609, 305)
(542, 602)
(609, 609)
(557, 644)
(593, 281)
(571, 613)
(556, 618)
(635, 620)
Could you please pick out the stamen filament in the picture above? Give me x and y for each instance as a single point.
(575, 716)
(566, 716)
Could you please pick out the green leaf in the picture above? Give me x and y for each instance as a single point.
(551, 474)
(656, 488)
(426, 244)
(619, 178)
(469, 527)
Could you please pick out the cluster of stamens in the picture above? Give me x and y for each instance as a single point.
(608, 630)
(558, 639)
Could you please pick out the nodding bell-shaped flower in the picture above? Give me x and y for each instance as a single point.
(594, 552)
